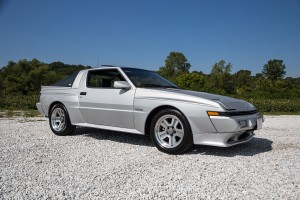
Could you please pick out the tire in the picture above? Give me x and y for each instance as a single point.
(170, 132)
(59, 121)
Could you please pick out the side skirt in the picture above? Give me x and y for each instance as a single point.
(111, 128)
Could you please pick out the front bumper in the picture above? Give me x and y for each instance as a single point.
(223, 139)
(231, 130)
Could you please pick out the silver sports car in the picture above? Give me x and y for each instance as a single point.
(142, 102)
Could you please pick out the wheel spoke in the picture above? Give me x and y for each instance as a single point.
(163, 136)
(162, 132)
(174, 143)
(174, 122)
(57, 114)
(179, 134)
(61, 113)
(167, 122)
(60, 126)
(180, 130)
(164, 124)
(170, 140)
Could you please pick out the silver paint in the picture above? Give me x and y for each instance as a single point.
(127, 110)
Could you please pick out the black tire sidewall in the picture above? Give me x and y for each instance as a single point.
(69, 128)
(186, 142)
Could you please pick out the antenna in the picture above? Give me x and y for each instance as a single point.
(97, 61)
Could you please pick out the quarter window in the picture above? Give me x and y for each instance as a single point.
(66, 82)
(104, 78)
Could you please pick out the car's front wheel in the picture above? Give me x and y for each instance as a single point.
(59, 121)
(170, 132)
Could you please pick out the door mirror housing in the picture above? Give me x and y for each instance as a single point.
(122, 85)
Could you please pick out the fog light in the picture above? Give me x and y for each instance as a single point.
(243, 123)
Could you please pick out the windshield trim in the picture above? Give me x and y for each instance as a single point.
(171, 85)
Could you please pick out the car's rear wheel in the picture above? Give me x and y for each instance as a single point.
(59, 121)
(170, 132)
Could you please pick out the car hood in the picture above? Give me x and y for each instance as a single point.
(196, 97)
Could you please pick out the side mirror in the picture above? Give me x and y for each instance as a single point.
(122, 85)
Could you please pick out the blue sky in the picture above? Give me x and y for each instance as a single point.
(141, 33)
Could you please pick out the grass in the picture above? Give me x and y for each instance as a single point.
(280, 113)
(32, 113)
(19, 113)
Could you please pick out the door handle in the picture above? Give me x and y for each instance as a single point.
(82, 93)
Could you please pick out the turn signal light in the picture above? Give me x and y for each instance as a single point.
(213, 113)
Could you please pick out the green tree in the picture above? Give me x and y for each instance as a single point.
(259, 75)
(263, 84)
(192, 81)
(1, 80)
(274, 70)
(26, 77)
(175, 65)
(23, 77)
(220, 79)
(243, 82)
(242, 78)
(220, 68)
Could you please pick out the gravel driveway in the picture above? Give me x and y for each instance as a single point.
(98, 164)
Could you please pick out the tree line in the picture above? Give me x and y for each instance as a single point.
(26, 77)
(270, 91)
(270, 83)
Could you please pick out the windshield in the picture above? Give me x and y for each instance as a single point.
(147, 79)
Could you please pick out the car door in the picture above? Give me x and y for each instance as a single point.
(102, 104)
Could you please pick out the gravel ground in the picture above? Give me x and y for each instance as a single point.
(98, 164)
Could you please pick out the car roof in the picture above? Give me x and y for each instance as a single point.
(114, 67)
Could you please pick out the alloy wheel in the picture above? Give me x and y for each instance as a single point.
(169, 131)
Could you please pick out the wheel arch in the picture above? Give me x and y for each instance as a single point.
(65, 126)
(53, 104)
(155, 111)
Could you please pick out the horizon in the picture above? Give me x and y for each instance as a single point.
(141, 34)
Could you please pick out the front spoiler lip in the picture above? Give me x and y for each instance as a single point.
(221, 139)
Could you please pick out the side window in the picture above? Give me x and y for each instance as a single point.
(103, 78)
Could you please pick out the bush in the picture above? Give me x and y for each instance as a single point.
(277, 105)
(18, 102)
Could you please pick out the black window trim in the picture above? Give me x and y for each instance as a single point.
(147, 71)
(73, 75)
(88, 74)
